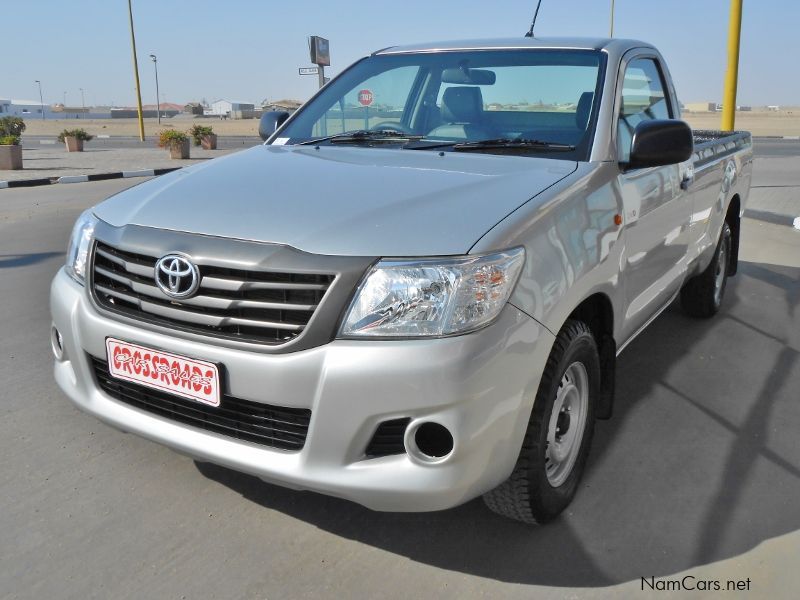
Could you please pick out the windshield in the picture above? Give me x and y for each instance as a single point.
(449, 100)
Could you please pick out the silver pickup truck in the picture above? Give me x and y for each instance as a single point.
(415, 291)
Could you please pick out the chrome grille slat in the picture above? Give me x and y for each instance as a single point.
(192, 317)
(129, 266)
(267, 307)
(235, 285)
(201, 301)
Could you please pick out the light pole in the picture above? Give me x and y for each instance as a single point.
(158, 98)
(136, 73)
(40, 97)
(611, 34)
(732, 72)
(64, 103)
(83, 103)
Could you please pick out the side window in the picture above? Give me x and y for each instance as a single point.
(643, 99)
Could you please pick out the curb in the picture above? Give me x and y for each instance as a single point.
(19, 183)
(773, 217)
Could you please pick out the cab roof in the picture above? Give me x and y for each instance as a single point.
(571, 43)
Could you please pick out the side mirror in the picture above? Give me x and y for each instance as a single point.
(270, 121)
(660, 142)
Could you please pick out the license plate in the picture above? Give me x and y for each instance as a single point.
(186, 377)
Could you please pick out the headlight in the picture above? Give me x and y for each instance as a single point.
(79, 242)
(433, 297)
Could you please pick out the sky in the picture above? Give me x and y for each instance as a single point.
(249, 50)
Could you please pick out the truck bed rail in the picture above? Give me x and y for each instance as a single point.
(712, 143)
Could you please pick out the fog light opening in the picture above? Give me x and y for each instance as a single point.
(57, 343)
(433, 441)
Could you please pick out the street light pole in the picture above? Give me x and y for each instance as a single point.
(611, 33)
(64, 103)
(158, 98)
(83, 102)
(41, 101)
(732, 72)
(136, 73)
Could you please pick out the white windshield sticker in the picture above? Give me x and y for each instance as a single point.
(280, 141)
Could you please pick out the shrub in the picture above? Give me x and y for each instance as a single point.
(9, 140)
(11, 126)
(76, 133)
(168, 137)
(198, 132)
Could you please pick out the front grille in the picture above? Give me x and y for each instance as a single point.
(273, 426)
(388, 438)
(257, 306)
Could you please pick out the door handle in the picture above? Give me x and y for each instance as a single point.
(686, 182)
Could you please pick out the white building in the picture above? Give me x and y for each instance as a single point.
(27, 109)
(224, 108)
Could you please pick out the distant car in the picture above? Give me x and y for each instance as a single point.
(403, 298)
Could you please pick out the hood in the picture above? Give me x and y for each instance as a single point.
(340, 200)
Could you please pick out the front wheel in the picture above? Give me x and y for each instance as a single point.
(701, 296)
(559, 434)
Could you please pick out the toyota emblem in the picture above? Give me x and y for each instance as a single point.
(176, 276)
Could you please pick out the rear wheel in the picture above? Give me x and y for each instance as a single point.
(702, 295)
(559, 434)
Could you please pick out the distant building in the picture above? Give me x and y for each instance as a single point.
(774, 108)
(149, 111)
(226, 108)
(287, 105)
(700, 106)
(69, 112)
(23, 108)
(193, 108)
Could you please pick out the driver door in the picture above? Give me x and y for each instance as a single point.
(657, 209)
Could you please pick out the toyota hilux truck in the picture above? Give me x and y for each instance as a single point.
(414, 292)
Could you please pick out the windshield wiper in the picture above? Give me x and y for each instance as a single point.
(363, 135)
(512, 143)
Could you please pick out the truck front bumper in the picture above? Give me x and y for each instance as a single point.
(480, 386)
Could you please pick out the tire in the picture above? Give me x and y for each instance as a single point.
(702, 295)
(543, 483)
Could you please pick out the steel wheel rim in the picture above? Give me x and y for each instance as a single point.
(720, 270)
(567, 424)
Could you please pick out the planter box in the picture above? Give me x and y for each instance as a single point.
(179, 149)
(209, 142)
(10, 158)
(73, 144)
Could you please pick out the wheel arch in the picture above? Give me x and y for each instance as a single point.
(733, 219)
(597, 312)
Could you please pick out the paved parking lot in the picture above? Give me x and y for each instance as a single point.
(698, 472)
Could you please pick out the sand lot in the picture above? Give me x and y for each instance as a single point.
(130, 127)
(758, 123)
(778, 123)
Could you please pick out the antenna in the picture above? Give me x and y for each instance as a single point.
(533, 23)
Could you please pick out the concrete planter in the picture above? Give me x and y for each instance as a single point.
(73, 144)
(179, 149)
(10, 158)
(209, 142)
